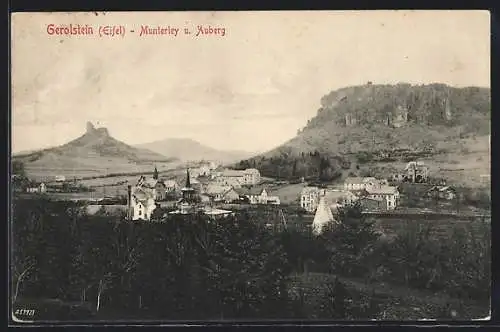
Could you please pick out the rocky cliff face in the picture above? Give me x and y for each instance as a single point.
(386, 117)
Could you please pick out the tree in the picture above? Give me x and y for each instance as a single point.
(350, 242)
(340, 302)
(189, 267)
(18, 168)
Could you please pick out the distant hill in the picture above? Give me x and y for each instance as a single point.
(376, 119)
(94, 150)
(190, 150)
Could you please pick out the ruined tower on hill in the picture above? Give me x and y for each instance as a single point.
(90, 127)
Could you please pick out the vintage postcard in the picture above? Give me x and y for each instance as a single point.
(250, 166)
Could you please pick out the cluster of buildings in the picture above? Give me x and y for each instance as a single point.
(371, 193)
(442, 192)
(37, 188)
(143, 197)
(205, 187)
(415, 172)
(237, 178)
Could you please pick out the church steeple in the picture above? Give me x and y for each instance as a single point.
(155, 174)
(188, 181)
(187, 191)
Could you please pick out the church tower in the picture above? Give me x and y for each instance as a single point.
(155, 174)
(188, 191)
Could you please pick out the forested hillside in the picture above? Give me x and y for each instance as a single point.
(387, 119)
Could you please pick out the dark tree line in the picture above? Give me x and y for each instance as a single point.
(313, 166)
(196, 268)
(191, 268)
(458, 264)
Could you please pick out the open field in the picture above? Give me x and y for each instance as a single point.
(47, 174)
(457, 169)
(64, 196)
(289, 194)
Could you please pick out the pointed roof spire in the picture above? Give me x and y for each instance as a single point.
(155, 174)
(188, 181)
(322, 217)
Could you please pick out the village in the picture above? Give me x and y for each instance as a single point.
(218, 192)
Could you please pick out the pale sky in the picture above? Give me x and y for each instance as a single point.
(248, 90)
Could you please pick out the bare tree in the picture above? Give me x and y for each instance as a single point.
(19, 277)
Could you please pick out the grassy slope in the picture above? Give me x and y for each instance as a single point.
(94, 153)
(460, 149)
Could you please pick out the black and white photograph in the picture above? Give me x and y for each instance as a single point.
(250, 166)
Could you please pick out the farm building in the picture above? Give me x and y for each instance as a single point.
(220, 193)
(389, 194)
(37, 188)
(417, 172)
(443, 192)
(258, 195)
(359, 183)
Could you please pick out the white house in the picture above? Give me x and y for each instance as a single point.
(236, 178)
(60, 178)
(389, 194)
(171, 186)
(417, 171)
(158, 187)
(204, 170)
(259, 196)
(231, 178)
(40, 188)
(360, 183)
(354, 183)
(339, 197)
(220, 193)
(251, 176)
(309, 198)
(142, 203)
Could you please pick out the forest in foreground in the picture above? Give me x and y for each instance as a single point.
(71, 266)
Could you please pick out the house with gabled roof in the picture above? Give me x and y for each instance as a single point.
(220, 193)
(258, 195)
(443, 192)
(309, 198)
(37, 188)
(359, 183)
(171, 186)
(417, 171)
(389, 194)
(142, 203)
